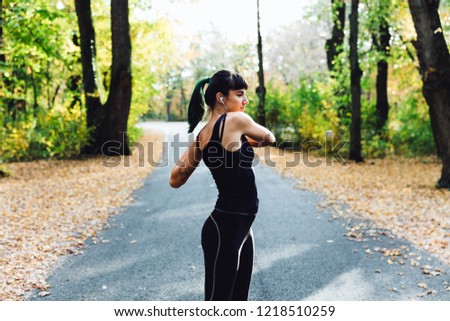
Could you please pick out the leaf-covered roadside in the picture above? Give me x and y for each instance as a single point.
(49, 208)
(397, 194)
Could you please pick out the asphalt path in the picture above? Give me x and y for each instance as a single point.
(151, 250)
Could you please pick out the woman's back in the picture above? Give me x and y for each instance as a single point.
(231, 168)
(231, 139)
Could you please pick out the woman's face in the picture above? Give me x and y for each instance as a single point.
(236, 100)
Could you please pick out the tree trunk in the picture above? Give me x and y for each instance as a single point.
(261, 89)
(13, 105)
(55, 94)
(2, 55)
(114, 128)
(184, 101)
(74, 82)
(334, 45)
(35, 93)
(88, 56)
(108, 122)
(382, 105)
(169, 97)
(382, 44)
(355, 78)
(434, 60)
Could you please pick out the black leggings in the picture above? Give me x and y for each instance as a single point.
(227, 242)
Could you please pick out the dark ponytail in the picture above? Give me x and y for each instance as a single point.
(196, 108)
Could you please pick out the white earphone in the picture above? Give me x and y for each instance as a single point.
(221, 100)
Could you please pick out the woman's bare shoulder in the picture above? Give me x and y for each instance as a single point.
(239, 117)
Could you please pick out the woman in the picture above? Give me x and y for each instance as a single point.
(225, 145)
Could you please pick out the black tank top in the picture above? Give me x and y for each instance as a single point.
(232, 172)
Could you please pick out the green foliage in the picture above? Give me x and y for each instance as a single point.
(300, 114)
(154, 70)
(337, 91)
(41, 82)
(4, 172)
(410, 128)
(41, 109)
(39, 51)
(14, 140)
(303, 113)
(42, 101)
(374, 144)
(134, 133)
(57, 133)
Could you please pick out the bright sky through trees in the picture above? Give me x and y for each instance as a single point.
(235, 18)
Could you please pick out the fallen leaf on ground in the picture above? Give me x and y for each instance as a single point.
(49, 208)
(395, 193)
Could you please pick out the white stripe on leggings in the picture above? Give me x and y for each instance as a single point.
(215, 261)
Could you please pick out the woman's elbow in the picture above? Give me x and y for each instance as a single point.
(173, 183)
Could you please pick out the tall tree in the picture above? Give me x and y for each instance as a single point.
(117, 107)
(355, 79)
(2, 54)
(13, 105)
(183, 98)
(88, 57)
(334, 45)
(261, 90)
(108, 122)
(381, 42)
(434, 60)
(168, 101)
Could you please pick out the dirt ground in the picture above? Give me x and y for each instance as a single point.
(49, 208)
(396, 193)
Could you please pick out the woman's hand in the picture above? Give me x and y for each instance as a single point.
(255, 143)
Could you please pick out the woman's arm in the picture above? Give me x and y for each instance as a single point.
(255, 143)
(185, 166)
(257, 135)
